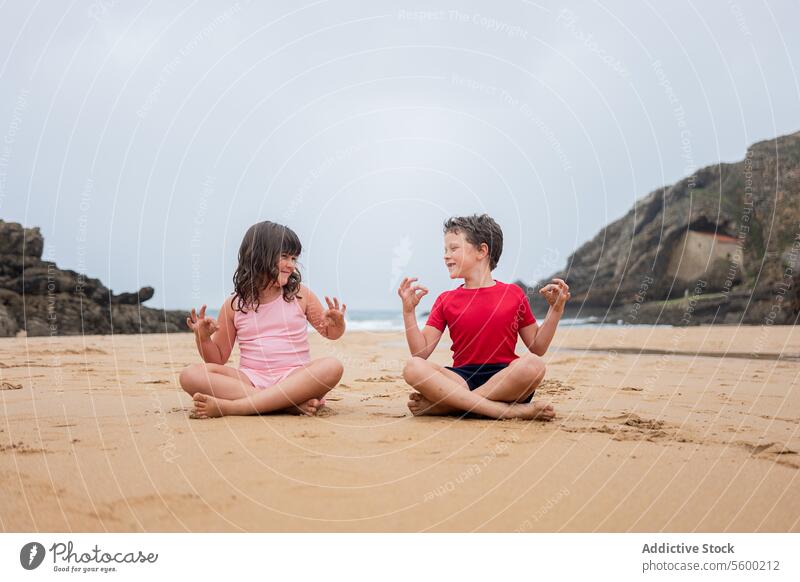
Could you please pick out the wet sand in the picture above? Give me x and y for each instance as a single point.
(96, 436)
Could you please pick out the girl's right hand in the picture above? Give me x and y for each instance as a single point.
(202, 326)
(411, 294)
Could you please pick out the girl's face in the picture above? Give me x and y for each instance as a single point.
(460, 256)
(287, 265)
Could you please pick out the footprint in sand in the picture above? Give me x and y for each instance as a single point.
(390, 440)
(379, 379)
(371, 396)
(553, 387)
(779, 453)
(21, 449)
(631, 419)
(634, 428)
(781, 418)
(756, 449)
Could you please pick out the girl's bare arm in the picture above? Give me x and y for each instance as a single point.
(214, 338)
(329, 323)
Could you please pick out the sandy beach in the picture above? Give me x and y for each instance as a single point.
(96, 436)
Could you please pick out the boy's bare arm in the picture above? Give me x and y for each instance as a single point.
(420, 343)
(538, 337)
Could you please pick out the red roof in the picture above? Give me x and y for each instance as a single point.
(719, 237)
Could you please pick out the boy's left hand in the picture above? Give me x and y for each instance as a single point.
(556, 294)
(334, 316)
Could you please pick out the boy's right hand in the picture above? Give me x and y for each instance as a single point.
(203, 327)
(411, 294)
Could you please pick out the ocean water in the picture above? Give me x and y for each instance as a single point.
(392, 320)
(378, 320)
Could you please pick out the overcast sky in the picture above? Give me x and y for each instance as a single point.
(144, 138)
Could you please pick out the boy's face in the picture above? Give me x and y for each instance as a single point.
(460, 256)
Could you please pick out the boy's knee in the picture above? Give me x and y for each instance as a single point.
(414, 370)
(534, 367)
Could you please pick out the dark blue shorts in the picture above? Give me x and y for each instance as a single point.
(476, 375)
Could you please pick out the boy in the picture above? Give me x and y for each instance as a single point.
(484, 316)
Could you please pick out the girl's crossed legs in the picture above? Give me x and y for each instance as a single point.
(220, 390)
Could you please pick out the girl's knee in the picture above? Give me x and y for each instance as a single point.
(333, 370)
(188, 378)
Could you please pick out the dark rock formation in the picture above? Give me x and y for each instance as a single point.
(144, 294)
(39, 298)
(622, 273)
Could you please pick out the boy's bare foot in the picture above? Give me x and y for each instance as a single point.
(420, 406)
(532, 411)
(206, 406)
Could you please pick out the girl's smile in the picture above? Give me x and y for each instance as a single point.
(286, 266)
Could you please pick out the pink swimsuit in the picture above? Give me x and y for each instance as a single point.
(273, 341)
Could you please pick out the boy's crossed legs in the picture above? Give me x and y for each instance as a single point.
(220, 390)
(442, 391)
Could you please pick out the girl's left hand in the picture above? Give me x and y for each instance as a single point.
(334, 316)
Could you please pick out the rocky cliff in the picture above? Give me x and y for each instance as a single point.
(38, 298)
(623, 273)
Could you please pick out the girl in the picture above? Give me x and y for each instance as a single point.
(267, 313)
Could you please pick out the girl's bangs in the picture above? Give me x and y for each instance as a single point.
(290, 243)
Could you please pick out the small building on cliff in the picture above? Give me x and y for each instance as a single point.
(703, 255)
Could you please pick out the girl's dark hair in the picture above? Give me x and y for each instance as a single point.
(261, 249)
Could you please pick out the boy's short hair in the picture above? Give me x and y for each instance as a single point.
(479, 229)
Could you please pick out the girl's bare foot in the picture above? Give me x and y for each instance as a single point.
(420, 406)
(206, 406)
(532, 411)
(309, 407)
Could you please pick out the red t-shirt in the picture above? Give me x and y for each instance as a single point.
(483, 323)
